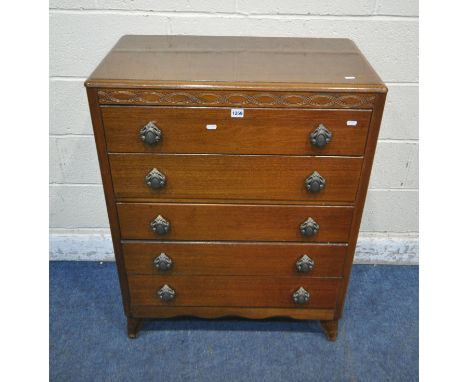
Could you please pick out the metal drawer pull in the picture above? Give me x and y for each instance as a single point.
(163, 262)
(301, 296)
(305, 264)
(309, 227)
(166, 293)
(150, 134)
(321, 136)
(315, 182)
(155, 179)
(160, 225)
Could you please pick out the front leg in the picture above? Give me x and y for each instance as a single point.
(133, 326)
(330, 328)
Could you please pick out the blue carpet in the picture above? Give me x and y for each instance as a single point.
(377, 340)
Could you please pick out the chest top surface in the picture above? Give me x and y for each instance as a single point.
(222, 62)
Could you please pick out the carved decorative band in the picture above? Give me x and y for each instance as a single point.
(201, 98)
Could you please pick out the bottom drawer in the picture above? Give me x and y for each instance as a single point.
(234, 291)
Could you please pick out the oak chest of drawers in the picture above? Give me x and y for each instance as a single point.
(235, 172)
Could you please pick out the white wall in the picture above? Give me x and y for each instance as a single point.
(82, 32)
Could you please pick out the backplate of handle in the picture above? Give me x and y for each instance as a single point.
(155, 179)
(315, 182)
(301, 296)
(166, 293)
(163, 262)
(150, 134)
(160, 225)
(304, 264)
(309, 228)
(321, 136)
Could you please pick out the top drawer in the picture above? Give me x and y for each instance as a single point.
(213, 130)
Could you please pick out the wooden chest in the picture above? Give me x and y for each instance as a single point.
(235, 172)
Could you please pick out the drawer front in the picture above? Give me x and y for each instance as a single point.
(236, 177)
(230, 222)
(301, 260)
(260, 131)
(232, 291)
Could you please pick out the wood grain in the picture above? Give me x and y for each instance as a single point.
(242, 62)
(260, 131)
(208, 258)
(330, 327)
(361, 197)
(235, 196)
(228, 222)
(104, 166)
(227, 311)
(235, 177)
(252, 291)
(133, 326)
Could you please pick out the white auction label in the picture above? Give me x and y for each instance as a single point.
(237, 113)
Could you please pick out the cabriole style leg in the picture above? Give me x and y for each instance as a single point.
(133, 326)
(330, 328)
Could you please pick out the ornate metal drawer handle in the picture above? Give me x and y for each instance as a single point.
(155, 179)
(315, 182)
(150, 134)
(321, 136)
(163, 262)
(301, 296)
(160, 225)
(309, 227)
(305, 264)
(166, 293)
